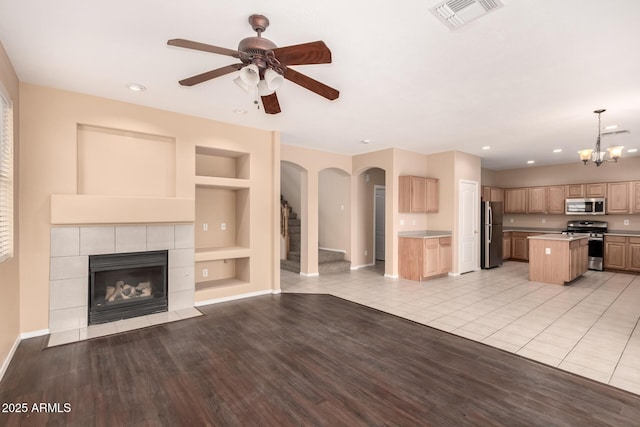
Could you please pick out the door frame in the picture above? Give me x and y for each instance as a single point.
(476, 216)
(373, 253)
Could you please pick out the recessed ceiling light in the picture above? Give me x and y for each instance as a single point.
(558, 150)
(531, 161)
(610, 127)
(632, 150)
(366, 141)
(239, 111)
(136, 87)
(486, 147)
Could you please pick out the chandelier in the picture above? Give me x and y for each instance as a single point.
(597, 155)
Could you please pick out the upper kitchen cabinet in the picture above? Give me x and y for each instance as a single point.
(618, 201)
(555, 199)
(492, 194)
(418, 195)
(635, 197)
(596, 190)
(537, 199)
(515, 200)
(574, 191)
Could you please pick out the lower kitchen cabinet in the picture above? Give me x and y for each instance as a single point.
(519, 246)
(506, 245)
(424, 258)
(622, 253)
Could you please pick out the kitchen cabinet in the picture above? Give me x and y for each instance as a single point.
(515, 200)
(556, 258)
(424, 258)
(618, 201)
(418, 194)
(574, 191)
(537, 197)
(596, 190)
(622, 253)
(615, 252)
(635, 196)
(492, 194)
(633, 259)
(555, 199)
(506, 245)
(519, 246)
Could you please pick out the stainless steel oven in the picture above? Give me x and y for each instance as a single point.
(595, 230)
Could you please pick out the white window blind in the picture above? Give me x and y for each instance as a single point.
(6, 177)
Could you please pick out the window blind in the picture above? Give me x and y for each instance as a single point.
(6, 178)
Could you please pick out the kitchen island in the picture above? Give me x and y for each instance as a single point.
(557, 258)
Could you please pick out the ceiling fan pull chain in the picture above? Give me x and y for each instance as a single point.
(255, 100)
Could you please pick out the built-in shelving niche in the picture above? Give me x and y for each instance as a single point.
(222, 229)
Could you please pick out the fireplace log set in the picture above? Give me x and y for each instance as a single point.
(125, 291)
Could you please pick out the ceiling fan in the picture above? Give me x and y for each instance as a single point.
(264, 66)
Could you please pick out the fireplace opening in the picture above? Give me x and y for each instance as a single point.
(127, 285)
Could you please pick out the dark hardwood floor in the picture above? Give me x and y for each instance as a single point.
(299, 360)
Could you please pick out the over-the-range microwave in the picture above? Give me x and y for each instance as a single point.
(584, 206)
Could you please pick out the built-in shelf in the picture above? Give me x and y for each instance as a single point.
(214, 254)
(222, 234)
(222, 182)
(220, 283)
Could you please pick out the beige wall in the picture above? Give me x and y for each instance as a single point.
(9, 269)
(312, 162)
(627, 169)
(442, 166)
(290, 180)
(49, 165)
(364, 206)
(334, 210)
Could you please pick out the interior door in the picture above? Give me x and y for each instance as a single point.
(468, 212)
(379, 222)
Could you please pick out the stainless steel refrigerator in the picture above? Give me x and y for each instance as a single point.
(491, 234)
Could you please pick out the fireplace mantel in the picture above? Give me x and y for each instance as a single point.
(79, 209)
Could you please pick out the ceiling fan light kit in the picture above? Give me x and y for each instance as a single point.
(264, 66)
(597, 156)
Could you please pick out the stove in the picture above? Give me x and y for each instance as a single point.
(595, 230)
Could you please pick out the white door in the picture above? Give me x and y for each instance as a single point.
(378, 221)
(468, 227)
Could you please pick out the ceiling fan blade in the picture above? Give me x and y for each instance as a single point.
(194, 80)
(271, 104)
(311, 84)
(302, 54)
(188, 44)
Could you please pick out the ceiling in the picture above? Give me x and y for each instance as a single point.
(523, 79)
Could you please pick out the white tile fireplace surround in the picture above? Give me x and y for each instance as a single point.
(69, 265)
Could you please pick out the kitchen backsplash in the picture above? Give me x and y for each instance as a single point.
(616, 222)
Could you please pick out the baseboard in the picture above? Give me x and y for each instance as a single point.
(276, 291)
(391, 276)
(33, 334)
(233, 298)
(453, 274)
(7, 360)
(362, 266)
(333, 250)
(309, 274)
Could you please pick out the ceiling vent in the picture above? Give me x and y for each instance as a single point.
(456, 13)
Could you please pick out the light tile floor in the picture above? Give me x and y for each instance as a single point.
(95, 331)
(589, 327)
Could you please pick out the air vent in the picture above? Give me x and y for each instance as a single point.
(456, 13)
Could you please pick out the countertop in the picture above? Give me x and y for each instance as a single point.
(562, 237)
(424, 234)
(622, 233)
(532, 230)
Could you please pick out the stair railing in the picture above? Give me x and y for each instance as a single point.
(285, 210)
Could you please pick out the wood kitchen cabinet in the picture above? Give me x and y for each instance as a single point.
(635, 196)
(596, 190)
(492, 194)
(424, 258)
(418, 194)
(519, 246)
(622, 253)
(574, 191)
(515, 200)
(618, 200)
(537, 197)
(615, 252)
(555, 199)
(506, 245)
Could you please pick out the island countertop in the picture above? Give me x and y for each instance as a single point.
(424, 234)
(560, 237)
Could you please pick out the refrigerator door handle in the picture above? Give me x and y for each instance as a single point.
(490, 233)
